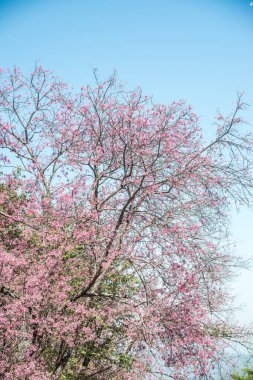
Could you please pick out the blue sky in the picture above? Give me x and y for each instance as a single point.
(201, 51)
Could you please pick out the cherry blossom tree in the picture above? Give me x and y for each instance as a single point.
(114, 250)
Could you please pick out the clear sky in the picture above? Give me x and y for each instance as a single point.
(201, 51)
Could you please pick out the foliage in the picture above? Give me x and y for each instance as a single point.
(246, 375)
(114, 249)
